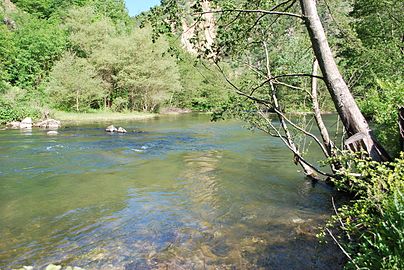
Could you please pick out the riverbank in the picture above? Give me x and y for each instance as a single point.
(101, 116)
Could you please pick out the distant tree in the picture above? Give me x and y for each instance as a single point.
(74, 84)
(87, 31)
(7, 52)
(136, 68)
(38, 44)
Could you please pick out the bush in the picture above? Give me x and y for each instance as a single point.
(372, 225)
(17, 103)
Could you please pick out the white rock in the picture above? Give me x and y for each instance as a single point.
(52, 133)
(26, 123)
(111, 128)
(121, 130)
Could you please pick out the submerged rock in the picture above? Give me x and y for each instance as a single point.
(26, 123)
(52, 133)
(121, 130)
(111, 128)
(53, 267)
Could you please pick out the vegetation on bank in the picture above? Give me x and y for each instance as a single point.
(370, 227)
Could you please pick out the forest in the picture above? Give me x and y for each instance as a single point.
(252, 60)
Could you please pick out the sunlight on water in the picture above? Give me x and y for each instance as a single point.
(180, 192)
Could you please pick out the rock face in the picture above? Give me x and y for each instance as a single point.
(111, 128)
(49, 123)
(26, 123)
(205, 29)
(121, 130)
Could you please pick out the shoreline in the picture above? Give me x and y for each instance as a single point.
(102, 117)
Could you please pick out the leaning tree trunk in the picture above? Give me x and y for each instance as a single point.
(352, 118)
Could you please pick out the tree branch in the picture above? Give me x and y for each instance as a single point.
(262, 11)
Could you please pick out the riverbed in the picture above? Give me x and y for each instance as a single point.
(175, 192)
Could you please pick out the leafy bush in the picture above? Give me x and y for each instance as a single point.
(380, 105)
(372, 226)
(17, 103)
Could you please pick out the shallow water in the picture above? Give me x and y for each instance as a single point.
(178, 193)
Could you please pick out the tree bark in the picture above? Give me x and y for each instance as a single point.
(401, 127)
(344, 102)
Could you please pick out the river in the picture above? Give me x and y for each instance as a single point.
(175, 192)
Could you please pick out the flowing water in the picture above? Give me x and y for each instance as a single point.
(178, 193)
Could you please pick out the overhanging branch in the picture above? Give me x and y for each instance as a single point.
(261, 11)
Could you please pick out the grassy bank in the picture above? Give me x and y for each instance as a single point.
(101, 116)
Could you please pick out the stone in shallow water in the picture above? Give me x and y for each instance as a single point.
(52, 133)
(121, 130)
(53, 267)
(111, 128)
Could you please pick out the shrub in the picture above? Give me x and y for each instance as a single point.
(372, 225)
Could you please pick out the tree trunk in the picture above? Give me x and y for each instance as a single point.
(77, 101)
(401, 127)
(317, 112)
(344, 102)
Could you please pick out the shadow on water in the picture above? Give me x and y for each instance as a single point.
(179, 193)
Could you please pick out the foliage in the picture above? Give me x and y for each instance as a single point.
(87, 31)
(74, 85)
(17, 103)
(381, 105)
(375, 52)
(203, 86)
(37, 44)
(135, 68)
(45, 9)
(372, 225)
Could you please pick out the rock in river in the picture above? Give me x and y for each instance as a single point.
(111, 128)
(52, 133)
(49, 123)
(121, 130)
(26, 123)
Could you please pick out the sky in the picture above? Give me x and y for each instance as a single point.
(137, 6)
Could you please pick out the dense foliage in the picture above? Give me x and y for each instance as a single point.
(81, 55)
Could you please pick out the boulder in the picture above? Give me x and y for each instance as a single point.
(49, 123)
(26, 123)
(14, 124)
(121, 130)
(52, 133)
(111, 128)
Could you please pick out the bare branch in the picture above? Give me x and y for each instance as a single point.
(342, 249)
(340, 220)
(304, 132)
(262, 11)
(238, 91)
(295, 151)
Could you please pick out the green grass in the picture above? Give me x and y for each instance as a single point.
(100, 116)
